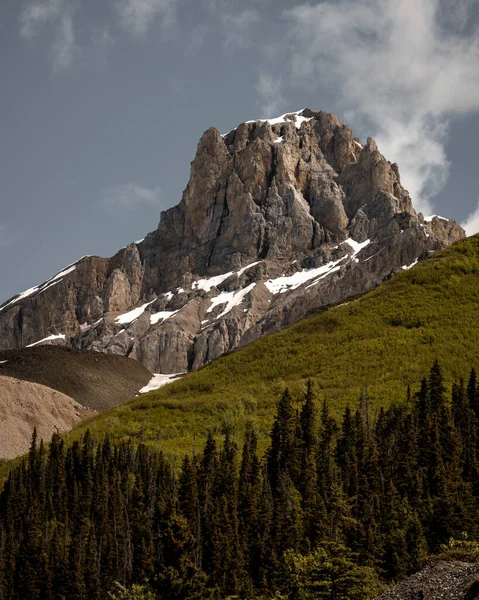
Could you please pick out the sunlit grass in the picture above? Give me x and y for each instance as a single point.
(382, 342)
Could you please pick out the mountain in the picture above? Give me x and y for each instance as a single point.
(280, 217)
(373, 347)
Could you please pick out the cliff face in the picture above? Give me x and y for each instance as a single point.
(279, 217)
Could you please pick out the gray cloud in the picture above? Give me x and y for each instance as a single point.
(58, 15)
(130, 196)
(269, 89)
(403, 68)
(137, 16)
(236, 25)
(102, 38)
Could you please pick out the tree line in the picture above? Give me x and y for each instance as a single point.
(332, 510)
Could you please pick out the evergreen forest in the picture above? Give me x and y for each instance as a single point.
(335, 509)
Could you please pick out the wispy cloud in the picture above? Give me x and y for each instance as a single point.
(471, 224)
(103, 38)
(137, 16)
(269, 89)
(131, 195)
(402, 68)
(236, 25)
(100, 43)
(57, 15)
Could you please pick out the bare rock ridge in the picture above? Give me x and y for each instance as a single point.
(279, 217)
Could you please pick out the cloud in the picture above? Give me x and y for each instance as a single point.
(401, 68)
(7, 237)
(223, 18)
(471, 224)
(137, 16)
(131, 195)
(102, 38)
(236, 26)
(269, 89)
(58, 15)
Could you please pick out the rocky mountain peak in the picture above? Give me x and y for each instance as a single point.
(280, 216)
(271, 188)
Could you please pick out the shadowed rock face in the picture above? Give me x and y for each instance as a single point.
(269, 207)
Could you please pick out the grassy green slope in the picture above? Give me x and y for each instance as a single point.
(385, 340)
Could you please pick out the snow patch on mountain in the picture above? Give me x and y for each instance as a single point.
(290, 117)
(132, 315)
(295, 117)
(284, 284)
(407, 267)
(158, 381)
(431, 217)
(163, 315)
(207, 284)
(231, 299)
(356, 246)
(50, 338)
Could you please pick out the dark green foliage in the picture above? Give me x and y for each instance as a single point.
(330, 510)
(135, 592)
(331, 572)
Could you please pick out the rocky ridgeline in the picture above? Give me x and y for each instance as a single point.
(279, 218)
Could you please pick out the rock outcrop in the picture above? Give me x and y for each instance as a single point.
(279, 218)
(438, 580)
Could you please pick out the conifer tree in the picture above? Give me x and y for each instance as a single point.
(282, 454)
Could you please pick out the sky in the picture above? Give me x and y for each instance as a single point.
(103, 102)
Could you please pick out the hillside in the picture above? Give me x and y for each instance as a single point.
(382, 342)
(96, 381)
(338, 510)
(25, 405)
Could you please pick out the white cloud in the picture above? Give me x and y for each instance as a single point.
(471, 224)
(57, 14)
(138, 15)
(131, 195)
(402, 68)
(269, 89)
